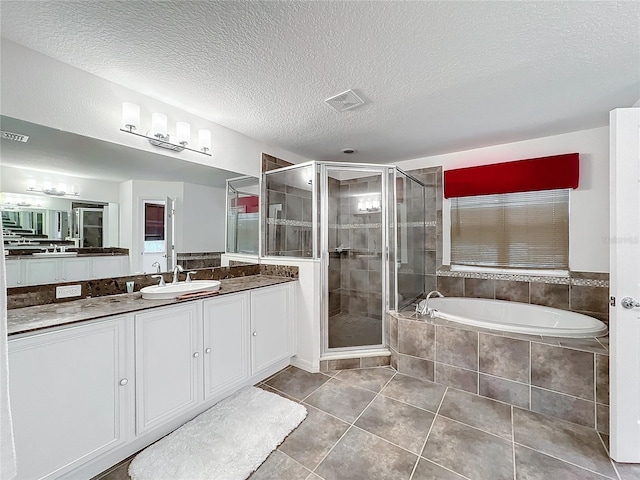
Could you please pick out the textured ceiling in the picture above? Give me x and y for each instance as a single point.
(437, 76)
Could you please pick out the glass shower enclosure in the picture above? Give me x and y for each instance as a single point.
(243, 215)
(366, 224)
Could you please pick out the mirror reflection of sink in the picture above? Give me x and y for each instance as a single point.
(171, 290)
(55, 254)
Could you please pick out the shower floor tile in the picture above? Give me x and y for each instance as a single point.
(452, 442)
(347, 330)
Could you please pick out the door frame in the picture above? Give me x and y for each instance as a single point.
(624, 324)
(383, 171)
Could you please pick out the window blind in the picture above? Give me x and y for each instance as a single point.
(523, 230)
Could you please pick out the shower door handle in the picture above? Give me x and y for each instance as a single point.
(628, 303)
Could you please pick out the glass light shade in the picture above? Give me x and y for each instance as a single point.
(183, 133)
(204, 140)
(48, 186)
(158, 124)
(130, 116)
(62, 187)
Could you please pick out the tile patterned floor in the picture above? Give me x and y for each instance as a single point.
(374, 423)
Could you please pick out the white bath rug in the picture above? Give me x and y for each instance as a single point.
(227, 442)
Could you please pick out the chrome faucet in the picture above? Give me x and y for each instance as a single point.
(423, 306)
(157, 266)
(177, 269)
(431, 312)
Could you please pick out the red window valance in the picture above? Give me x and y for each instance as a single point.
(545, 173)
(250, 203)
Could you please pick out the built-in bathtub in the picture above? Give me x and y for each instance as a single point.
(517, 317)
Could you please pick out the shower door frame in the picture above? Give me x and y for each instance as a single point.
(384, 172)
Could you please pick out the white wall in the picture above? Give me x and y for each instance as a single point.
(589, 210)
(14, 180)
(42, 90)
(202, 219)
(307, 316)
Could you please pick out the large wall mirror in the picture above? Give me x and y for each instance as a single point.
(108, 189)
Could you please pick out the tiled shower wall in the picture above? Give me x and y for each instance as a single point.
(290, 233)
(432, 179)
(565, 378)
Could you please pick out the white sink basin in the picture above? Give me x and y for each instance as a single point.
(55, 254)
(171, 290)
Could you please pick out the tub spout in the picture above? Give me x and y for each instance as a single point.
(423, 306)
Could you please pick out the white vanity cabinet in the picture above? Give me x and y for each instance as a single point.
(85, 397)
(75, 268)
(168, 351)
(13, 269)
(71, 395)
(53, 270)
(271, 326)
(226, 343)
(41, 271)
(108, 266)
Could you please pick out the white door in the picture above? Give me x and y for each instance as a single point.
(167, 364)
(226, 343)
(156, 216)
(169, 213)
(625, 283)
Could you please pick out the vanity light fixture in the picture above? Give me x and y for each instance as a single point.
(48, 188)
(158, 135)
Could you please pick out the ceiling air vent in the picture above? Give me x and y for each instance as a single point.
(345, 101)
(16, 137)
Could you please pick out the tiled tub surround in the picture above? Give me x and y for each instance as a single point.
(581, 292)
(561, 377)
(20, 297)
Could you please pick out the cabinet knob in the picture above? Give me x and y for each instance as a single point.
(124, 381)
(208, 350)
(255, 334)
(196, 355)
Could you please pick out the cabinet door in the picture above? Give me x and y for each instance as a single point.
(40, 271)
(14, 272)
(167, 364)
(271, 325)
(72, 269)
(109, 266)
(68, 400)
(226, 343)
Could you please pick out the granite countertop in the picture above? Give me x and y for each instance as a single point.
(80, 255)
(30, 319)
